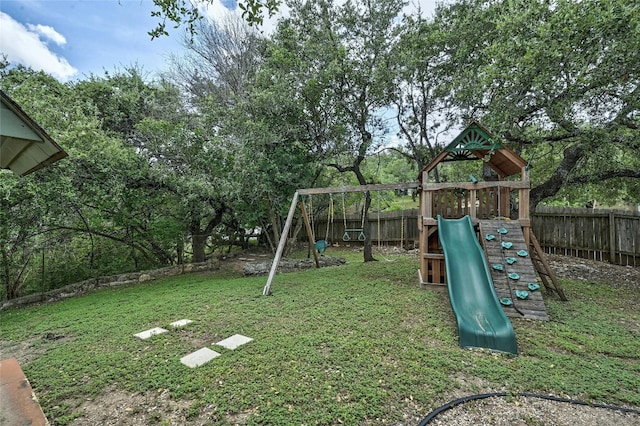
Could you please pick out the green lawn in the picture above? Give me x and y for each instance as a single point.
(353, 344)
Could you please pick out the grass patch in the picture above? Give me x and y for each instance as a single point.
(354, 344)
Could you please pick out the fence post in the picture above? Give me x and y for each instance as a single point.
(612, 237)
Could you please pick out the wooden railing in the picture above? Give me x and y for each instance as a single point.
(480, 200)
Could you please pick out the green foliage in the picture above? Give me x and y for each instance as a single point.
(122, 99)
(336, 59)
(353, 343)
(82, 211)
(557, 77)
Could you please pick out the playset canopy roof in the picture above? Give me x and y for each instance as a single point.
(476, 143)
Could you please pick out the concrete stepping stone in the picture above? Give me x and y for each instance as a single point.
(181, 323)
(234, 341)
(199, 357)
(152, 332)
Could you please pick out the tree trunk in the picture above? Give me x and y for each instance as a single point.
(198, 242)
(199, 236)
(368, 244)
(275, 224)
(180, 250)
(549, 188)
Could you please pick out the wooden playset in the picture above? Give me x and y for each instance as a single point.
(499, 210)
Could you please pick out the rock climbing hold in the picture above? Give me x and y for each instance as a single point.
(507, 245)
(533, 286)
(498, 267)
(514, 276)
(490, 237)
(506, 301)
(502, 231)
(522, 294)
(523, 253)
(510, 260)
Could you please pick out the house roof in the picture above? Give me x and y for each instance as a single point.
(476, 143)
(24, 146)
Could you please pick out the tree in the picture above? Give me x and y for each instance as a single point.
(562, 74)
(122, 98)
(133, 198)
(219, 63)
(188, 165)
(341, 75)
(102, 210)
(422, 113)
(243, 100)
(63, 205)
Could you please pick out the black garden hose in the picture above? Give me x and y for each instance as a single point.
(470, 398)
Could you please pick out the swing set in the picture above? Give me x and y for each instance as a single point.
(349, 233)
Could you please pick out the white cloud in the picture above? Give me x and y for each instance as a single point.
(216, 10)
(24, 46)
(49, 33)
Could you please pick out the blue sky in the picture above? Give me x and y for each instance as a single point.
(72, 39)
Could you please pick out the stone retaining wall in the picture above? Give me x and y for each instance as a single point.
(87, 286)
(289, 265)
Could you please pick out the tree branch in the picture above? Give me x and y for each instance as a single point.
(604, 175)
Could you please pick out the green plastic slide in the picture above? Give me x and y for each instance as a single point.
(481, 321)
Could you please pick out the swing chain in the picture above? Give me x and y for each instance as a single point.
(346, 236)
(329, 217)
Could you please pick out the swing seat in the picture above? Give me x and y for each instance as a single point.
(360, 231)
(321, 246)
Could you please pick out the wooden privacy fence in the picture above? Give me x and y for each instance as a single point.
(606, 235)
(397, 227)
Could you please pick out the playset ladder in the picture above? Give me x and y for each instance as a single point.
(542, 267)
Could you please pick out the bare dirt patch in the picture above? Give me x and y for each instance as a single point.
(31, 349)
(587, 270)
(114, 407)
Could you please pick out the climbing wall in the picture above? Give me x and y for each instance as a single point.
(512, 270)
